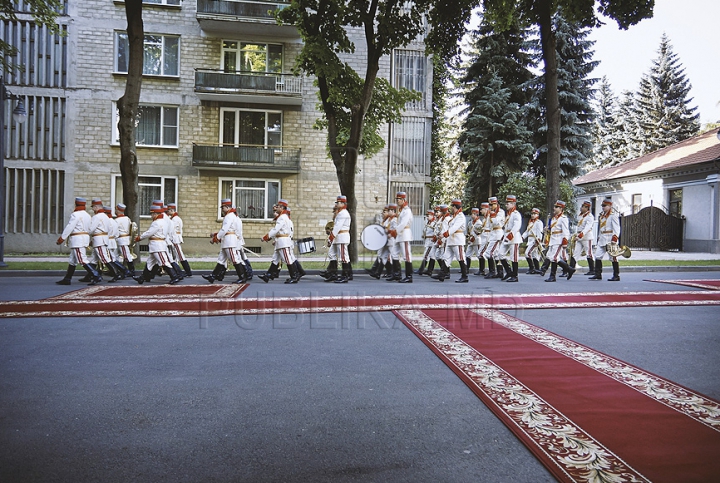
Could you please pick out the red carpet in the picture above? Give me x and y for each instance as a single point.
(706, 284)
(179, 304)
(171, 292)
(585, 415)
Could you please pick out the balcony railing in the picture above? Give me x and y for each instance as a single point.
(217, 84)
(279, 159)
(260, 10)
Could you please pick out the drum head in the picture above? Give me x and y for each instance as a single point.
(373, 237)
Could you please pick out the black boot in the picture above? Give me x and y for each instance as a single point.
(408, 273)
(569, 270)
(536, 264)
(131, 267)
(544, 267)
(397, 272)
(508, 270)
(481, 269)
(114, 272)
(248, 270)
(241, 273)
(463, 273)
(173, 274)
(499, 268)
(345, 275)
(186, 267)
(376, 269)
(68, 276)
(491, 269)
(178, 271)
(598, 271)
(95, 276)
(156, 271)
(88, 276)
(215, 273)
(553, 271)
(144, 277)
(292, 271)
(591, 266)
(514, 275)
(468, 263)
(300, 269)
(422, 268)
(331, 271)
(531, 269)
(388, 269)
(430, 267)
(267, 276)
(444, 270)
(221, 274)
(616, 272)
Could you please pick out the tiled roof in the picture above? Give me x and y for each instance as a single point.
(696, 150)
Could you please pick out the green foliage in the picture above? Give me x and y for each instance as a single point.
(530, 192)
(44, 12)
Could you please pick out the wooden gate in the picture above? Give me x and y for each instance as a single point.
(652, 229)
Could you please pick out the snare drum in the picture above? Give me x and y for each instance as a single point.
(306, 245)
(373, 237)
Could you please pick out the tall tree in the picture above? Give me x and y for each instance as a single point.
(575, 89)
(604, 138)
(128, 108)
(44, 12)
(663, 106)
(354, 106)
(626, 130)
(540, 12)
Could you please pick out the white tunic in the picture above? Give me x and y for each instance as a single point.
(341, 228)
(282, 231)
(77, 231)
(404, 225)
(99, 229)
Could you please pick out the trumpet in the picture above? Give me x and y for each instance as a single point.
(615, 250)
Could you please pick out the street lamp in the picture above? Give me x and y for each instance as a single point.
(19, 115)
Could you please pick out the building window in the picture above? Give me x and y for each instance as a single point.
(250, 127)
(42, 136)
(410, 70)
(163, 2)
(35, 200)
(162, 54)
(676, 202)
(155, 126)
(252, 198)
(251, 57)
(41, 56)
(150, 188)
(410, 148)
(636, 203)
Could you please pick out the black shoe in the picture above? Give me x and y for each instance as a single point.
(64, 281)
(139, 279)
(614, 278)
(96, 281)
(265, 277)
(551, 278)
(563, 275)
(406, 280)
(490, 275)
(462, 279)
(209, 278)
(512, 279)
(596, 276)
(570, 273)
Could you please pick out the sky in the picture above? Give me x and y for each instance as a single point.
(691, 27)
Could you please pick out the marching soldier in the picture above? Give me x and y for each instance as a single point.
(482, 232)
(123, 239)
(281, 234)
(497, 220)
(428, 233)
(533, 234)
(455, 241)
(510, 247)
(177, 224)
(608, 233)
(339, 240)
(474, 229)
(382, 253)
(113, 233)
(331, 269)
(441, 226)
(404, 235)
(170, 238)
(157, 248)
(559, 233)
(99, 230)
(77, 233)
(393, 262)
(583, 242)
(227, 237)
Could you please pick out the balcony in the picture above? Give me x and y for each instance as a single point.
(270, 159)
(254, 87)
(223, 18)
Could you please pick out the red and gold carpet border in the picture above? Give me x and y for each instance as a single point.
(153, 292)
(706, 284)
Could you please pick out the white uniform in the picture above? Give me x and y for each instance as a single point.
(123, 237)
(404, 234)
(112, 240)
(474, 231)
(608, 228)
(157, 247)
(77, 234)
(533, 234)
(341, 236)
(391, 230)
(282, 233)
(510, 246)
(485, 231)
(583, 242)
(497, 220)
(99, 230)
(441, 226)
(228, 239)
(177, 231)
(559, 234)
(455, 239)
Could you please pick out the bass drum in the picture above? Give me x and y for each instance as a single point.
(373, 237)
(306, 245)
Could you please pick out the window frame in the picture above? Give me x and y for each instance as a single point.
(238, 56)
(237, 111)
(119, 33)
(675, 205)
(117, 182)
(268, 202)
(115, 140)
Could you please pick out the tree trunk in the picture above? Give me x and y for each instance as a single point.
(549, 41)
(128, 108)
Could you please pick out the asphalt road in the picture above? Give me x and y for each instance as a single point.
(295, 398)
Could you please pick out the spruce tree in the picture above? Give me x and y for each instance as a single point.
(605, 141)
(663, 107)
(575, 89)
(626, 131)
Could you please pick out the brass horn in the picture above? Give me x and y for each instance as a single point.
(615, 250)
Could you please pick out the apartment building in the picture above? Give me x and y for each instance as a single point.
(221, 116)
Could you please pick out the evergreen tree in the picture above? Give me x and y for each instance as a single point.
(575, 89)
(662, 106)
(626, 131)
(492, 142)
(605, 141)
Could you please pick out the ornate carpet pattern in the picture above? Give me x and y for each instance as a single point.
(706, 284)
(182, 304)
(172, 292)
(587, 416)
